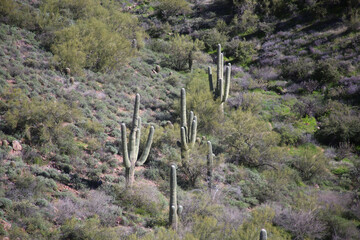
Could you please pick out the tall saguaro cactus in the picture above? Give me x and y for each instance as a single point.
(130, 154)
(187, 131)
(174, 209)
(263, 234)
(222, 88)
(210, 160)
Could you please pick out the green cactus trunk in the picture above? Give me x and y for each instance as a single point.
(174, 209)
(210, 160)
(187, 131)
(263, 234)
(131, 152)
(222, 88)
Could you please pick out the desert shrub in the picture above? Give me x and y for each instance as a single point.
(212, 38)
(290, 135)
(17, 13)
(41, 121)
(88, 229)
(180, 52)
(298, 71)
(88, 33)
(97, 203)
(200, 100)
(243, 51)
(207, 228)
(261, 217)
(144, 199)
(90, 44)
(249, 140)
(326, 72)
(280, 182)
(191, 169)
(340, 123)
(302, 223)
(169, 8)
(309, 161)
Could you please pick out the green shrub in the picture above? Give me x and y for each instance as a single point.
(88, 229)
(340, 123)
(200, 100)
(243, 51)
(169, 8)
(90, 44)
(212, 38)
(326, 72)
(180, 52)
(261, 217)
(310, 161)
(41, 121)
(249, 140)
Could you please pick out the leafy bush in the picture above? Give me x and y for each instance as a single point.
(181, 51)
(88, 229)
(249, 140)
(309, 161)
(326, 72)
(339, 124)
(243, 51)
(41, 121)
(169, 8)
(90, 44)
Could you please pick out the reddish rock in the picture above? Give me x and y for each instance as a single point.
(16, 145)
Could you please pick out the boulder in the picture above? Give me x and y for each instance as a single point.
(16, 145)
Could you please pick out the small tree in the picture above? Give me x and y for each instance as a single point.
(181, 51)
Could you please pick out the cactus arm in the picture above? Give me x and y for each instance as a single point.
(189, 132)
(126, 160)
(221, 88)
(173, 195)
(183, 108)
(193, 132)
(137, 138)
(136, 111)
(210, 160)
(180, 209)
(211, 85)
(263, 234)
(184, 146)
(218, 71)
(227, 83)
(222, 65)
(146, 151)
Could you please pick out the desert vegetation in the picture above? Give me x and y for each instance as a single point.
(247, 128)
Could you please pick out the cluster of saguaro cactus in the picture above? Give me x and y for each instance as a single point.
(174, 209)
(222, 87)
(210, 160)
(188, 131)
(263, 234)
(130, 155)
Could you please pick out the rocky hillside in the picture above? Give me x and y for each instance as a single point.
(284, 142)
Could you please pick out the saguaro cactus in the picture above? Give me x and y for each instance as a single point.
(210, 160)
(263, 234)
(187, 132)
(222, 88)
(174, 209)
(130, 155)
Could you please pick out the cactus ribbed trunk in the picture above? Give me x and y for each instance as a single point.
(131, 152)
(263, 234)
(188, 130)
(173, 199)
(210, 160)
(222, 88)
